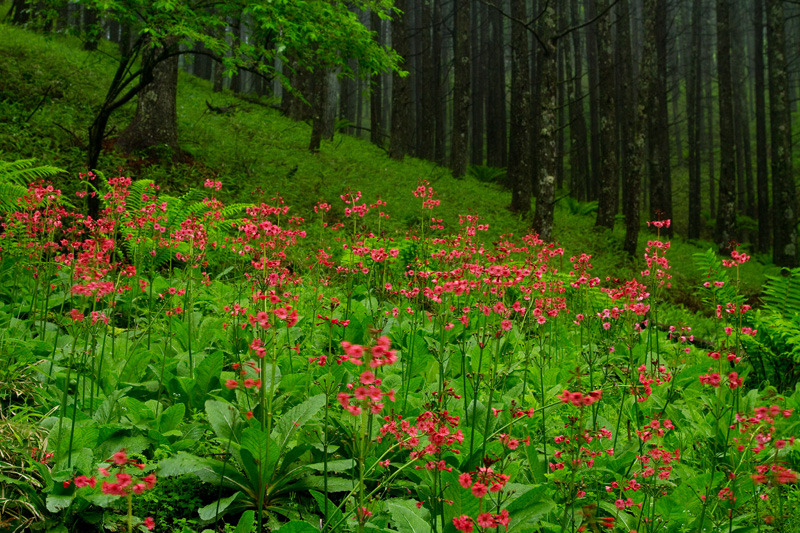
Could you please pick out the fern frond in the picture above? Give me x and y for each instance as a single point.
(9, 194)
(22, 172)
(782, 294)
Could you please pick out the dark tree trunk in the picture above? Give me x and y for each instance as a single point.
(632, 128)
(461, 89)
(479, 38)
(579, 145)
(496, 137)
(546, 61)
(708, 97)
(762, 181)
(440, 120)
(425, 82)
(660, 167)
(609, 182)
(694, 119)
(401, 127)
(594, 110)
(562, 48)
(520, 172)
(156, 122)
(376, 125)
(20, 12)
(726, 216)
(318, 98)
(784, 251)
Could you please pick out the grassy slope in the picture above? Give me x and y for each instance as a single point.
(48, 88)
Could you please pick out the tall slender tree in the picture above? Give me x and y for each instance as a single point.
(658, 146)
(608, 203)
(461, 88)
(784, 250)
(401, 123)
(496, 124)
(762, 179)
(694, 118)
(546, 62)
(726, 214)
(519, 154)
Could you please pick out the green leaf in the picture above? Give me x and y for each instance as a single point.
(245, 524)
(218, 508)
(334, 518)
(529, 508)
(406, 517)
(224, 420)
(171, 418)
(296, 526)
(296, 417)
(258, 455)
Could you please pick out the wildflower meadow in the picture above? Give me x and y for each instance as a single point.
(182, 365)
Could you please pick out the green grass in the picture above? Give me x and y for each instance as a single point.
(49, 88)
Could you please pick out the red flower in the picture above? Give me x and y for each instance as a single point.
(463, 523)
(120, 458)
(479, 490)
(149, 523)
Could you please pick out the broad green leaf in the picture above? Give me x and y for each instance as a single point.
(296, 526)
(334, 519)
(171, 418)
(246, 521)
(224, 420)
(296, 417)
(529, 508)
(407, 518)
(218, 508)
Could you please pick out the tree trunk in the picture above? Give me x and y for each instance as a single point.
(461, 89)
(376, 94)
(762, 181)
(156, 122)
(401, 127)
(784, 251)
(519, 154)
(91, 28)
(425, 82)
(660, 167)
(579, 145)
(694, 119)
(479, 38)
(545, 190)
(726, 213)
(496, 136)
(594, 116)
(440, 119)
(609, 183)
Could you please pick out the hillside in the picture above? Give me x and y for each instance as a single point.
(49, 86)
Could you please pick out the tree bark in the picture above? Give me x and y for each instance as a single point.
(155, 124)
(579, 145)
(440, 119)
(461, 89)
(376, 125)
(496, 123)
(519, 155)
(660, 166)
(784, 251)
(762, 181)
(632, 137)
(594, 116)
(546, 60)
(401, 127)
(694, 119)
(726, 213)
(609, 183)
(479, 38)
(426, 80)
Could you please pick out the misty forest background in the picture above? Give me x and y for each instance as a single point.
(673, 109)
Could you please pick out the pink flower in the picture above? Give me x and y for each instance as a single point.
(149, 523)
(231, 383)
(119, 458)
(486, 520)
(463, 523)
(465, 480)
(479, 490)
(83, 481)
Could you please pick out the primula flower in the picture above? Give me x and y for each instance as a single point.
(463, 523)
(149, 523)
(119, 458)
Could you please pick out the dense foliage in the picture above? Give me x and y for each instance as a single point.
(179, 364)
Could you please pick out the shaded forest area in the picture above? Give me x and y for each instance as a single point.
(674, 109)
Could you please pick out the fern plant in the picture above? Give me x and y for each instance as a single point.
(15, 176)
(777, 343)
